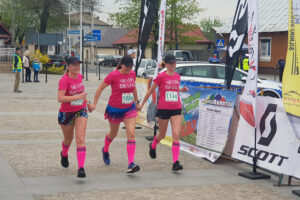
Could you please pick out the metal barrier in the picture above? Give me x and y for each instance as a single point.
(6, 53)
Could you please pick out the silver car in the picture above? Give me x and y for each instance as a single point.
(146, 67)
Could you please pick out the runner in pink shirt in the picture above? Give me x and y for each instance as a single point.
(73, 113)
(121, 107)
(169, 108)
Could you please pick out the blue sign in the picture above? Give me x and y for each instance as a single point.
(97, 34)
(89, 38)
(74, 31)
(220, 43)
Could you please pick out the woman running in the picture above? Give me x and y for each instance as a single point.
(169, 108)
(121, 107)
(73, 113)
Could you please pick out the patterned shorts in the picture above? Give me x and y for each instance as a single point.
(117, 115)
(68, 118)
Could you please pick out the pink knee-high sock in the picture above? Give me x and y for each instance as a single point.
(107, 142)
(81, 152)
(175, 151)
(65, 149)
(130, 150)
(154, 143)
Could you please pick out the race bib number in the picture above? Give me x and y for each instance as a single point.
(171, 96)
(127, 98)
(78, 102)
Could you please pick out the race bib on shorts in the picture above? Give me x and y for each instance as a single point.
(127, 98)
(171, 96)
(78, 102)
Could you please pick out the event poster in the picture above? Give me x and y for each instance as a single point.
(143, 116)
(206, 116)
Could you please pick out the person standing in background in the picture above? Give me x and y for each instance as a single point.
(36, 69)
(280, 64)
(26, 64)
(131, 53)
(17, 68)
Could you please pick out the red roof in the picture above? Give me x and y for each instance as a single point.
(195, 34)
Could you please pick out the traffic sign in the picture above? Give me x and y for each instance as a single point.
(220, 43)
(74, 31)
(89, 38)
(97, 34)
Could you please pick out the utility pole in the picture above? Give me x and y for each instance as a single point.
(69, 29)
(81, 36)
(93, 43)
(13, 5)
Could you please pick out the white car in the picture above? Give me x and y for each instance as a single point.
(207, 74)
(100, 58)
(146, 67)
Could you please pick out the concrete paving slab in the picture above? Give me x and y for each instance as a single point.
(221, 192)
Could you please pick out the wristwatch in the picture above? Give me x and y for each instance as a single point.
(89, 102)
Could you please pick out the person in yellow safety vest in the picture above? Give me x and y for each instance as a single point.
(246, 63)
(17, 68)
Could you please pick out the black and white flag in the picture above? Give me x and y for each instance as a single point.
(149, 9)
(236, 39)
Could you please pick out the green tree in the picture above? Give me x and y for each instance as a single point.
(207, 25)
(44, 15)
(178, 14)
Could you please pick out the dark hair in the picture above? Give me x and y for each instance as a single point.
(119, 65)
(162, 64)
(126, 60)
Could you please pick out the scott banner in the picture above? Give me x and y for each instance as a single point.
(205, 121)
(277, 145)
(291, 75)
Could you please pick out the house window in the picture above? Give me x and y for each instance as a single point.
(265, 49)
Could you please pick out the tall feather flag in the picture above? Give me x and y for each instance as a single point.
(236, 40)
(248, 99)
(291, 73)
(151, 111)
(147, 17)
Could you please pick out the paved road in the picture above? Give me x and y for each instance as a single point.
(30, 142)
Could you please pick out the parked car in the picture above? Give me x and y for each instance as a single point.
(181, 55)
(112, 61)
(99, 59)
(64, 55)
(57, 60)
(213, 75)
(146, 68)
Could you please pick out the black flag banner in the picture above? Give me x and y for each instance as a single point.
(236, 39)
(149, 9)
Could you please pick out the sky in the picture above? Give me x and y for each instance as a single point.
(223, 9)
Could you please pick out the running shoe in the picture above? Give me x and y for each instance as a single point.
(64, 161)
(106, 159)
(133, 168)
(152, 152)
(177, 166)
(81, 173)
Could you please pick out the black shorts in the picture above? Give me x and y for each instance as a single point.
(167, 114)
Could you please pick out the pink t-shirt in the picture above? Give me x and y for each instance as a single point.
(72, 87)
(168, 91)
(122, 86)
